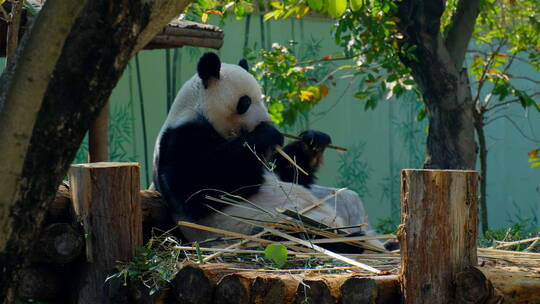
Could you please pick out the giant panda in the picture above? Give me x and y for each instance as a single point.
(216, 140)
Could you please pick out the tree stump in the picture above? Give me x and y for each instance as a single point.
(106, 201)
(437, 232)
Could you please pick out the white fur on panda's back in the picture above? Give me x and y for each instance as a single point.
(273, 194)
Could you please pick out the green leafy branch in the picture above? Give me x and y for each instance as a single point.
(291, 86)
(534, 158)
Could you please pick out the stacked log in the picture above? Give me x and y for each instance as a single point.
(59, 250)
(220, 283)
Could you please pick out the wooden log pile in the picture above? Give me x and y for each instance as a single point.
(217, 283)
(59, 262)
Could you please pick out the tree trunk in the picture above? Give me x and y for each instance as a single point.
(437, 234)
(43, 118)
(111, 218)
(483, 153)
(443, 83)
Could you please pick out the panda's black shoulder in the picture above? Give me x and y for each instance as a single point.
(196, 132)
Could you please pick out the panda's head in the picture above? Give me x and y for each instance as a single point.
(231, 98)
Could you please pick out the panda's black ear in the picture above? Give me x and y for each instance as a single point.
(208, 67)
(244, 64)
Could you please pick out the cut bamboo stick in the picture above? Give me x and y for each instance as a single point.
(322, 250)
(329, 146)
(287, 157)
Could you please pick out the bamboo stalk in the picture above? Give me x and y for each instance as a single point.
(225, 232)
(287, 157)
(365, 256)
(322, 201)
(233, 246)
(508, 244)
(509, 252)
(351, 239)
(322, 250)
(341, 149)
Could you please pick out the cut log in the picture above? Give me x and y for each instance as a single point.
(233, 289)
(39, 284)
(192, 286)
(59, 243)
(155, 214)
(472, 287)
(111, 217)
(126, 291)
(314, 292)
(438, 232)
(515, 286)
(371, 290)
(273, 290)
(154, 211)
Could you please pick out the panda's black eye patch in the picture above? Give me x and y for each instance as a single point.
(243, 104)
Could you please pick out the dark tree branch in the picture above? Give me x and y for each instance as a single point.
(460, 30)
(504, 103)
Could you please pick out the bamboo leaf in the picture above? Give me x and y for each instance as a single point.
(277, 253)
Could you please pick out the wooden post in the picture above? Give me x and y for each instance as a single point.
(106, 201)
(98, 137)
(437, 232)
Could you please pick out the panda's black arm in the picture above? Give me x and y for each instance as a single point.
(184, 166)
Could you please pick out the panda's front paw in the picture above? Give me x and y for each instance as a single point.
(315, 139)
(267, 134)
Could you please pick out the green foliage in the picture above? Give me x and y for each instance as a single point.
(277, 253)
(155, 265)
(199, 253)
(353, 172)
(368, 35)
(507, 31)
(120, 136)
(200, 10)
(534, 158)
(523, 228)
(386, 225)
(289, 84)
